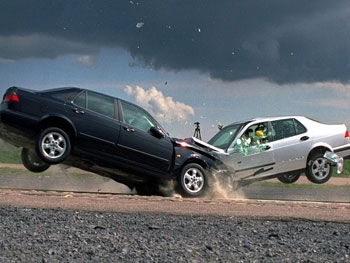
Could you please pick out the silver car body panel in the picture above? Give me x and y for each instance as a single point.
(286, 154)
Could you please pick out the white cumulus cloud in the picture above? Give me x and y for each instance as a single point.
(161, 107)
(86, 60)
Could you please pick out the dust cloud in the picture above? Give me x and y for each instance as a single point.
(219, 187)
(225, 188)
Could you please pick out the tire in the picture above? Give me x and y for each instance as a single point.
(193, 180)
(32, 162)
(53, 145)
(288, 178)
(318, 170)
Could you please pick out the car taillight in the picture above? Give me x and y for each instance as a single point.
(11, 97)
(347, 134)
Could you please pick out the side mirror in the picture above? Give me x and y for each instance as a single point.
(156, 132)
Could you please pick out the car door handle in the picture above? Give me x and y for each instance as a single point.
(76, 110)
(129, 129)
(304, 138)
(266, 147)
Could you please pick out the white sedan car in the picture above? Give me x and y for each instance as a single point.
(282, 147)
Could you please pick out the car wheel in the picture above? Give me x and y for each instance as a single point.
(193, 181)
(53, 145)
(288, 178)
(32, 162)
(318, 169)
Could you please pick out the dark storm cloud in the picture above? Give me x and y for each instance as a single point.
(283, 41)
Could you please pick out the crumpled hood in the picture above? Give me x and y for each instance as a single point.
(199, 146)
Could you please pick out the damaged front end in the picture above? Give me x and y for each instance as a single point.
(213, 157)
(199, 169)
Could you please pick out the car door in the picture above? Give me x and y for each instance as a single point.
(138, 144)
(291, 144)
(252, 154)
(93, 115)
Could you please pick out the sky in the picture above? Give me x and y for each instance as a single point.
(213, 62)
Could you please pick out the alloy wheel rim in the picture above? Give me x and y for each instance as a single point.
(320, 168)
(53, 145)
(193, 180)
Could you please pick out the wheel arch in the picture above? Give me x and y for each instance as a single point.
(203, 163)
(319, 149)
(59, 122)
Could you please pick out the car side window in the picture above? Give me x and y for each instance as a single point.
(96, 102)
(287, 128)
(257, 133)
(299, 128)
(254, 139)
(81, 100)
(136, 117)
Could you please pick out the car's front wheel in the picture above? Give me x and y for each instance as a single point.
(288, 178)
(53, 145)
(193, 180)
(32, 162)
(318, 169)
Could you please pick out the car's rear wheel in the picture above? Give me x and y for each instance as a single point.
(32, 162)
(53, 145)
(193, 180)
(288, 178)
(318, 169)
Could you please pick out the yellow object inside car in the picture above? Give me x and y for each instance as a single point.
(259, 133)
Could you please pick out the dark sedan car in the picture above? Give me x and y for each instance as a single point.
(104, 135)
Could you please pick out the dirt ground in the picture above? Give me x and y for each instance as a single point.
(121, 200)
(318, 211)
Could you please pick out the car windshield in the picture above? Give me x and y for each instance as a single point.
(224, 137)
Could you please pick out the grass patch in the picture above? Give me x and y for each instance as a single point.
(9, 153)
(16, 171)
(346, 170)
(296, 185)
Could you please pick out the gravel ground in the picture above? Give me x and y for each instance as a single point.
(55, 235)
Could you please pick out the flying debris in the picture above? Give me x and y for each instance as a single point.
(140, 24)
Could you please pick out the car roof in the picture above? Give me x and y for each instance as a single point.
(262, 119)
(59, 89)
